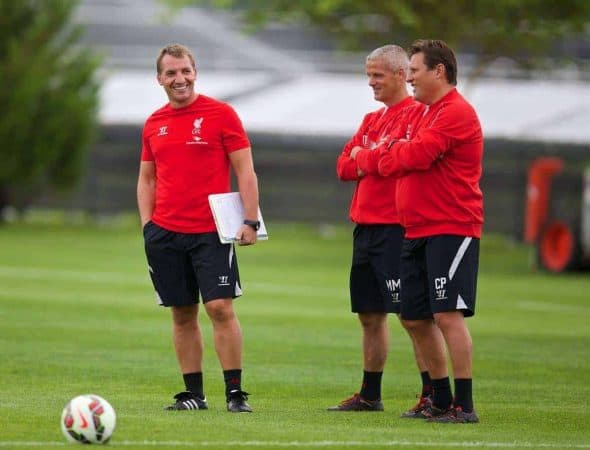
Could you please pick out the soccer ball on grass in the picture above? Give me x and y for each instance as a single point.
(88, 419)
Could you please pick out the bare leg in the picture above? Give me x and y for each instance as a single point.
(188, 342)
(427, 340)
(418, 354)
(227, 334)
(458, 339)
(375, 340)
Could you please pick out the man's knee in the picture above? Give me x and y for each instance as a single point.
(416, 326)
(449, 320)
(373, 321)
(183, 316)
(220, 310)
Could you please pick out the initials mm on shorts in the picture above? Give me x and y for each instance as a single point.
(393, 287)
(439, 288)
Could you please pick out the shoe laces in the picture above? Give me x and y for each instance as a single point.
(434, 411)
(238, 395)
(423, 402)
(186, 395)
(355, 398)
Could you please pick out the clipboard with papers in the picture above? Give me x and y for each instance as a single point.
(228, 213)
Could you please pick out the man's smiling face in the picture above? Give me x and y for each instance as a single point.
(177, 76)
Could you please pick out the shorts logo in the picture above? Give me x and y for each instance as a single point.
(393, 287)
(223, 280)
(440, 288)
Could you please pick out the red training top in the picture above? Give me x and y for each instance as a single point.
(190, 147)
(440, 165)
(373, 201)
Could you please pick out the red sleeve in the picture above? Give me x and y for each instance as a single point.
(233, 134)
(406, 118)
(368, 160)
(146, 151)
(346, 168)
(430, 143)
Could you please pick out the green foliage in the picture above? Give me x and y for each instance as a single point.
(525, 30)
(49, 96)
(78, 324)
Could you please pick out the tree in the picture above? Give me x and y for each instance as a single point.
(49, 97)
(526, 31)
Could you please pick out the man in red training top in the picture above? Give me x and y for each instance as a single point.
(439, 202)
(378, 236)
(188, 148)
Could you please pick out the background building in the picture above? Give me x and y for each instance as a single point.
(300, 100)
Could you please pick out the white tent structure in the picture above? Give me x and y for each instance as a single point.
(334, 104)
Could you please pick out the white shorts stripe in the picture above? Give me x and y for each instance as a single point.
(231, 254)
(459, 257)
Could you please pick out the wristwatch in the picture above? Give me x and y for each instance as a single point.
(255, 224)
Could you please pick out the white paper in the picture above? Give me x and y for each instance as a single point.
(228, 212)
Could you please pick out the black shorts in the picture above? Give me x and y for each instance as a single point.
(182, 265)
(438, 274)
(374, 275)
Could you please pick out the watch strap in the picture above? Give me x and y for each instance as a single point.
(255, 224)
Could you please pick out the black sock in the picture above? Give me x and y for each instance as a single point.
(441, 393)
(371, 388)
(463, 396)
(194, 383)
(233, 381)
(426, 384)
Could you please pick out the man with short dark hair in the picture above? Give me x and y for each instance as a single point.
(439, 165)
(188, 148)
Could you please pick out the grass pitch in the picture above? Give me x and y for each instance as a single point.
(78, 315)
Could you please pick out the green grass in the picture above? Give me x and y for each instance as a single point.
(78, 315)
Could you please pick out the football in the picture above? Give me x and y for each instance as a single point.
(88, 419)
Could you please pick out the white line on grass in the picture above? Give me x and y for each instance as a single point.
(45, 274)
(551, 308)
(474, 444)
(48, 274)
